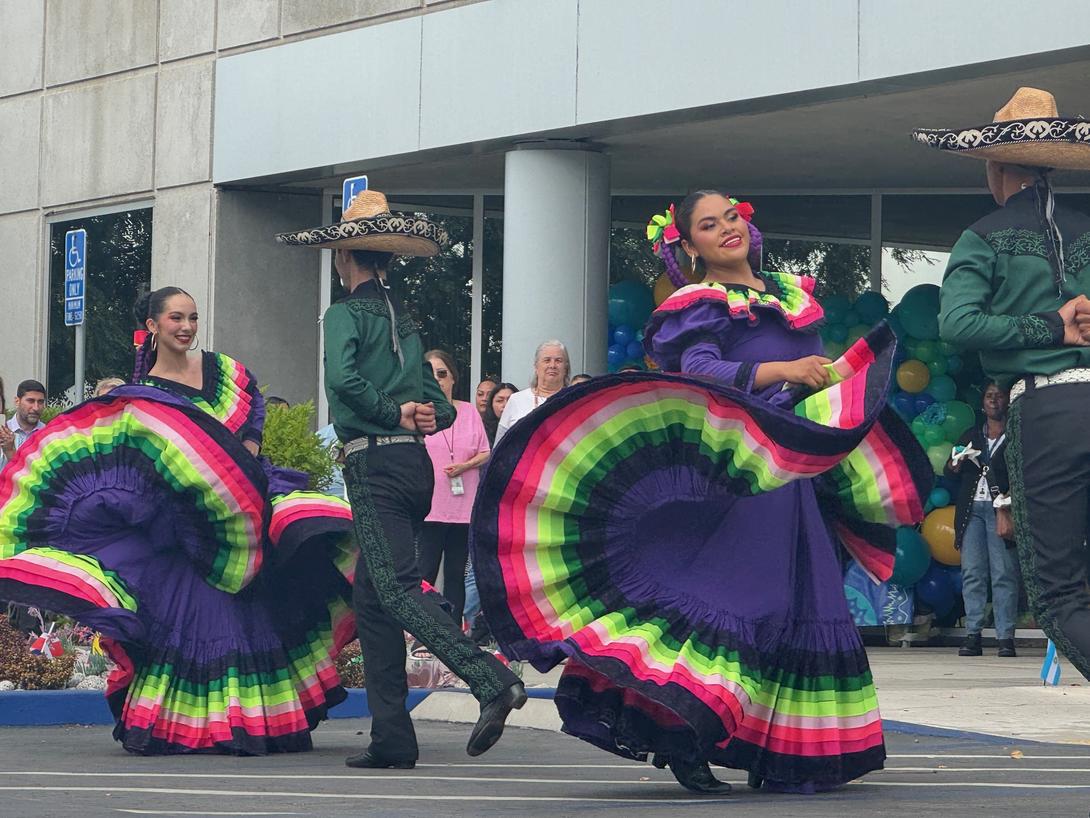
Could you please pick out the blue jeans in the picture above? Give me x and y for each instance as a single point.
(984, 556)
(473, 597)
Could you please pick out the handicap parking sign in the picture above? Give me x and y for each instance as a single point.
(75, 276)
(350, 188)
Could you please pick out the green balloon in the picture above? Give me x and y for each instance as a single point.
(942, 388)
(937, 367)
(928, 351)
(857, 331)
(938, 454)
(959, 416)
(834, 349)
(934, 435)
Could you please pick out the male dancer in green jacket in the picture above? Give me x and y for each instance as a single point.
(1015, 290)
(383, 399)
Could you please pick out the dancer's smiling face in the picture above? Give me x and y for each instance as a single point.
(717, 233)
(176, 324)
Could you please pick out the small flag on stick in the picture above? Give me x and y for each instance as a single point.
(1050, 669)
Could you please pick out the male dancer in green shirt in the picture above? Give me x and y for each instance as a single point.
(1015, 290)
(383, 399)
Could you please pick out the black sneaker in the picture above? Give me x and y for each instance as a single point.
(971, 646)
(1006, 649)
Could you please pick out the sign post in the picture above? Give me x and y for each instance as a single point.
(75, 278)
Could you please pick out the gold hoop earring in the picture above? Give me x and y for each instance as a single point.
(692, 263)
(195, 343)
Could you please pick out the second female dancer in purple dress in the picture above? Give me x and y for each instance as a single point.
(670, 536)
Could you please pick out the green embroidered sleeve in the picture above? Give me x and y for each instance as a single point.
(342, 372)
(965, 318)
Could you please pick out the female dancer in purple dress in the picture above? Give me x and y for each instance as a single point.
(663, 533)
(220, 584)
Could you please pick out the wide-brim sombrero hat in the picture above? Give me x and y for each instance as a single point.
(1026, 131)
(368, 224)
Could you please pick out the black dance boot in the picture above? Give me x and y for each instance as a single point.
(754, 781)
(971, 646)
(696, 776)
(1006, 649)
(493, 716)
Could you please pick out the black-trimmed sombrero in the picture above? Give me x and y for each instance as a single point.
(368, 224)
(1026, 131)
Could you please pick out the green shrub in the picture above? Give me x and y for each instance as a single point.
(290, 443)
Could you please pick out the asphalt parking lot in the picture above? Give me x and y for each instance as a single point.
(65, 771)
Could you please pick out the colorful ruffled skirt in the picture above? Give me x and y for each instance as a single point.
(672, 541)
(222, 588)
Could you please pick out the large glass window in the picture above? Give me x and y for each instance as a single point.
(118, 266)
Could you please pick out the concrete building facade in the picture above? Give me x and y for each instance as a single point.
(235, 119)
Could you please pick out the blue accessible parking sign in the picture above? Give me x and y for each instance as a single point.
(350, 188)
(75, 276)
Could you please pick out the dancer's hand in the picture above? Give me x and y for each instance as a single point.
(408, 416)
(252, 447)
(1004, 523)
(1076, 317)
(425, 418)
(809, 371)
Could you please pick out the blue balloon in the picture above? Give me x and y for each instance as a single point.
(615, 355)
(623, 335)
(630, 303)
(939, 497)
(871, 306)
(634, 351)
(905, 404)
(922, 401)
(954, 572)
(936, 590)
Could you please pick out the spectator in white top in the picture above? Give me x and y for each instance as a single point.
(552, 371)
(29, 403)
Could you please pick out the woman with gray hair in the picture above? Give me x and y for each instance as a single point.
(552, 371)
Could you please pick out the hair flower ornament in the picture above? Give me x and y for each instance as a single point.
(662, 228)
(745, 209)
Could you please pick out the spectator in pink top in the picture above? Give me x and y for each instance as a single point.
(457, 455)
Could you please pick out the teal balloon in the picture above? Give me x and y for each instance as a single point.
(948, 348)
(871, 307)
(919, 311)
(954, 364)
(836, 332)
(851, 317)
(937, 367)
(927, 351)
(898, 328)
(630, 304)
(912, 558)
(939, 497)
(836, 307)
(943, 388)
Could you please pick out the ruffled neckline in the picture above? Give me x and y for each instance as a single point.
(791, 296)
(223, 394)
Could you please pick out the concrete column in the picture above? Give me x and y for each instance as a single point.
(556, 218)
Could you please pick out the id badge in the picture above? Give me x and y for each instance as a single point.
(457, 487)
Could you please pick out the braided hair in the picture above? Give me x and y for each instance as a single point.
(149, 305)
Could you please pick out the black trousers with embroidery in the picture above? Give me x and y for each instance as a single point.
(390, 488)
(1048, 457)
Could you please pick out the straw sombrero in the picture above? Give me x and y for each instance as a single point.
(368, 224)
(1025, 131)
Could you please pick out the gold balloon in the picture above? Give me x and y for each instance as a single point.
(664, 287)
(938, 530)
(913, 376)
